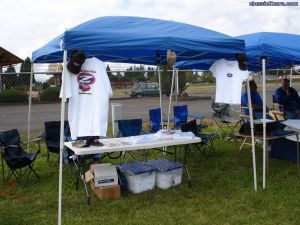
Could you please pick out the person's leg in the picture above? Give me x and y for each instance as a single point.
(259, 115)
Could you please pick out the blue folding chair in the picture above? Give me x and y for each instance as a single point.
(127, 128)
(131, 127)
(155, 119)
(180, 115)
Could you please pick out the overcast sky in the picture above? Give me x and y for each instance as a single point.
(26, 25)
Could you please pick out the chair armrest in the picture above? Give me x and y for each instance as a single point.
(11, 146)
(199, 117)
(42, 135)
(243, 116)
(33, 140)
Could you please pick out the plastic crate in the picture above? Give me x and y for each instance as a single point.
(168, 174)
(140, 177)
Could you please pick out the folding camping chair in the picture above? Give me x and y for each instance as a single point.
(131, 127)
(19, 162)
(52, 138)
(155, 120)
(181, 116)
(277, 110)
(206, 138)
(225, 125)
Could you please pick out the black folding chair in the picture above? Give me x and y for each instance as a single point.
(19, 162)
(52, 137)
(225, 125)
(207, 139)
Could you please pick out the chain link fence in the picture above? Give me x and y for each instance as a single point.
(134, 86)
(133, 81)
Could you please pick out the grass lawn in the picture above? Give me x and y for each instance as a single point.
(123, 91)
(210, 88)
(221, 193)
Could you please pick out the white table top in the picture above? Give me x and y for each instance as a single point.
(293, 125)
(122, 144)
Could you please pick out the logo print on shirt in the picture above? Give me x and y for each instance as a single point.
(229, 75)
(85, 80)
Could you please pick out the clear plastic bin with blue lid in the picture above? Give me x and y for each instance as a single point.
(135, 168)
(163, 165)
(140, 177)
(168, 174)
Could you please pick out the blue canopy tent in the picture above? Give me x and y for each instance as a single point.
(267, 50)
(139, 40)
(279, 50)
(135, 40)
(205, 65)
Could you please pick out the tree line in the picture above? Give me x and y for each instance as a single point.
(14, 79)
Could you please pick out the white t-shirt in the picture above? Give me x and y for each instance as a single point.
(88, 94)
(229, 80)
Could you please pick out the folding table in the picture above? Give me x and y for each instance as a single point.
(122, 144)
(270, 137)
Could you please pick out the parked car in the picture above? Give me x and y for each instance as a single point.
(144, 89)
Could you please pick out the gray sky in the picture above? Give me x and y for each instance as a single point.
(26, 25)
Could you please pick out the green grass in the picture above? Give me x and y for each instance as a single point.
(210, 88)
(221, 193)
(124, 91)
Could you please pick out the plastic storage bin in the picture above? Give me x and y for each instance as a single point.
(168, 174)
(140, 177)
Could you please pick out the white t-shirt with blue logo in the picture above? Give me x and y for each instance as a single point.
(229, 81)
(88, 94)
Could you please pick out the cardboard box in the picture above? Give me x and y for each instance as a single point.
(107, 192)
(105, 176)
(89, 175)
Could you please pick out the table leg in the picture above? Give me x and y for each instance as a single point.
(85, 185)
(175, 153)
(81, 176)
(188, 174)
(267, 159)
(2, 164)
(185, 153)
(297, 151)
(236, 148)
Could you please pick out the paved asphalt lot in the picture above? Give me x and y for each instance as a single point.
(16, 116)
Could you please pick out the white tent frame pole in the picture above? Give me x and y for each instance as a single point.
(252, 135)
(177, 86)
(160, 95)
(170, 100)
(264, 121)
(61, 144)
(29, 106)
(291, 76)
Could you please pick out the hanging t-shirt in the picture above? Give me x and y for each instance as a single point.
(229, 80)
(88, 94)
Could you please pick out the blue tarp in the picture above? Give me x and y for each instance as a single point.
(279, 49)
(139, 40)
